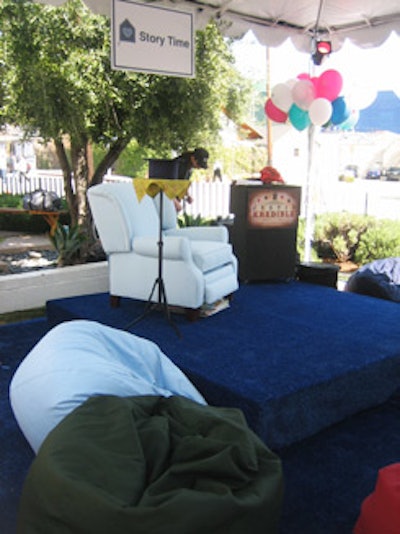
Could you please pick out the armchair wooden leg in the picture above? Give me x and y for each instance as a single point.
(115, 301)
(192, 314)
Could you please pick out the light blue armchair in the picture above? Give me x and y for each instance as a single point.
(199, 266)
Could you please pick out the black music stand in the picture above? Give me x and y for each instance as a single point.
(161, 303)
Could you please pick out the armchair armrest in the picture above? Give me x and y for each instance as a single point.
(201, 233)
(174, 248)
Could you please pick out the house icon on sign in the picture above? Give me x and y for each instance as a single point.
(127, 32)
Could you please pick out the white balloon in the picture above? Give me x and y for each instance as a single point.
(320, 111)
(281, 96)
(303, 94)
(292, 82)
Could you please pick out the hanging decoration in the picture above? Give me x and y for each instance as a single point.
(310, 100)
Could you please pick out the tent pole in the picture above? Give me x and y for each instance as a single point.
(309, 215)
(269, 122)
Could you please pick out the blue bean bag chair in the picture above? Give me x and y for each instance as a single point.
(380, 278)
(80, 359)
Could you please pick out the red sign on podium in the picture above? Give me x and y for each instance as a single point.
(272, 208)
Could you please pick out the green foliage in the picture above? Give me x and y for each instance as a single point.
(58, 82)
(351, 237)
(301, 230)
(337, 235)
(380, 240)
(184, 219)
(68, 242)
(132, 161)
(10, 201)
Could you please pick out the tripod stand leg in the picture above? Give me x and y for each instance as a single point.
(159, 282)
(147, 309)
(167, 312)
(150, 306)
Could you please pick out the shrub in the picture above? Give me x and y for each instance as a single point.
(301, 240)
(10, 201)
(337, 235)
(380, 240)
(67, 242)
(185, 219)
(351, 237)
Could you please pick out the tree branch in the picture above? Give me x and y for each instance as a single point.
(109, 159)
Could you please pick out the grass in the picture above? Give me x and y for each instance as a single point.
(23, 315)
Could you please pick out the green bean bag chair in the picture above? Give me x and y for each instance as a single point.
(152, 465)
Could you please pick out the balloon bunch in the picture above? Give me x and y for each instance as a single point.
(309, 100)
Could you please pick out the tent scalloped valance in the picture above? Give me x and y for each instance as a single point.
(366, 23)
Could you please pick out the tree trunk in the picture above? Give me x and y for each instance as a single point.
(79, 175)
(80, 165)
(68, 179)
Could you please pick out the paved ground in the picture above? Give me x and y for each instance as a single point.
(13, 242)
(20, 253)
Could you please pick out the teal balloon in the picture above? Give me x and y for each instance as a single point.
(299, 117)
(350, 123)
(340, 111)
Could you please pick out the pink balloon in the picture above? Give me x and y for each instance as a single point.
(304, 76)
(303, 94)
(314, 80)
(329, 85)
(274, 113)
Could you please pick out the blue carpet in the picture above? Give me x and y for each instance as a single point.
(295, 357)
(328, 474)
(16, 341)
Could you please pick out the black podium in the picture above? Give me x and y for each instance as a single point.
(264, 232)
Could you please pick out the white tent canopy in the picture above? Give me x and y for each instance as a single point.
(366, 23)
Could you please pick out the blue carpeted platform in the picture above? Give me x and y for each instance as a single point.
(295, 357)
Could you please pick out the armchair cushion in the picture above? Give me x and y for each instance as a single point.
(202, 233)
(174, 248)
(209, 255)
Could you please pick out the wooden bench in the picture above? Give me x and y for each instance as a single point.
(51, 217)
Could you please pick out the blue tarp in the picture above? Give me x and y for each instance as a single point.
(383, 114)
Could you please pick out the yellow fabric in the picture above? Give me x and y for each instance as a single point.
(152, 186)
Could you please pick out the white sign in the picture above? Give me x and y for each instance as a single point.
(153, 39)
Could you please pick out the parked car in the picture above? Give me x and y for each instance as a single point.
(374, 174)
(393, 174)
(349, 174)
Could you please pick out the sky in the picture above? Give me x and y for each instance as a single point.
(363, 69)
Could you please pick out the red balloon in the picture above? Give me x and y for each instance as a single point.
(274, 113)
(329, 85)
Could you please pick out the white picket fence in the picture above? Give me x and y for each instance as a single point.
(209, 199)
(212, 199)
(19, 184)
